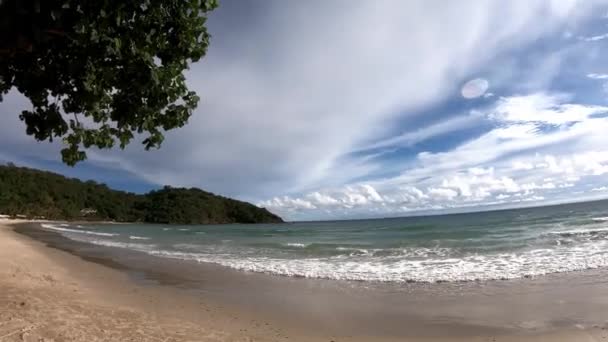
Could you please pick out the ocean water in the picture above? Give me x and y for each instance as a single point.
(464, 247)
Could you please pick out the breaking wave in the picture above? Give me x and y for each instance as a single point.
(77, 231)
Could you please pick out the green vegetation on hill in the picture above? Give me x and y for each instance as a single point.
(36, 193)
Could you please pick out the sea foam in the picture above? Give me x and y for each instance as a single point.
(296, 244)
(135, 237)
(378, 269)
(78, 231)
(139, 247)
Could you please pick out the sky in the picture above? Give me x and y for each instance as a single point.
(339, 109)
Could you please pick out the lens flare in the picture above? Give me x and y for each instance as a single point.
(474, 88)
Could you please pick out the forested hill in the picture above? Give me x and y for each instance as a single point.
(36, 193)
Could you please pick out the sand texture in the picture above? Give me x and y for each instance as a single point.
(43, 298)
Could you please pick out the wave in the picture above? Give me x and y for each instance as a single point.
(135, 237)
(413, 253)
(362, 267)
(581, 232)
(350, 251)
(140, 247)
(548, 249)
(78, 231)
(187, 246)
(470, 268)
(296, 244)
(600, 219)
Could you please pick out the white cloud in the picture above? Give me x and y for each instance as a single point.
(593, 163)
(519, 165)
(497, 168)
(533, 199)
(542, 108)
(344, 198)
(289, 204)
(595, 38)
(442, 193)
(322, 199)
(597, 76)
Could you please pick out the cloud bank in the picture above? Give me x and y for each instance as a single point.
(540, 147)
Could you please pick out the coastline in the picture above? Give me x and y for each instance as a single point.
(49, 293)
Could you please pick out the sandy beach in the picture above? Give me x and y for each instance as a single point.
(48, 294)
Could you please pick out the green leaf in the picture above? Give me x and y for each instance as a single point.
(99, 65)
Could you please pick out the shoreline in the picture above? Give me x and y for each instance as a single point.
(176, 312)
(51, 295)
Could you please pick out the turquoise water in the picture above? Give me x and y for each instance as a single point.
(464, 247)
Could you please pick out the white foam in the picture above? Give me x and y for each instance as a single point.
(354, 251)
(135, 237)
(470, 268)
(580, 231)
(600, 219)
(140, 247)
(296, 244)
(396, 264)
(500, 266)
(398, 267)
(389, 253)
(476, 267)
(79, 231)
(184, 229)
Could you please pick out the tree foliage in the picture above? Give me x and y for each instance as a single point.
(100, 72)
(35, 193)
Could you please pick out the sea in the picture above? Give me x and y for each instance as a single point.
(482, 246)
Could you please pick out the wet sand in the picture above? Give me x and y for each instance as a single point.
(79, 292)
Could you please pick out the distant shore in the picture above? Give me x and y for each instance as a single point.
(42, 194)
(46, 293)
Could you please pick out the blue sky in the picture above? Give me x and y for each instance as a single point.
(340, 109)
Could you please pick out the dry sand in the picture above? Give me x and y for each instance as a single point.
(51, 295)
